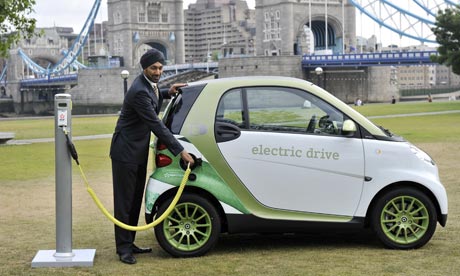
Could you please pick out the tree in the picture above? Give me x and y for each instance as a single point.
(447, 32)
(15, 23)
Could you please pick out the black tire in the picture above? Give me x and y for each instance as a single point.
(192, 228)
(404, 218)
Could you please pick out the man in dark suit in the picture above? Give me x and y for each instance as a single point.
(130, 148)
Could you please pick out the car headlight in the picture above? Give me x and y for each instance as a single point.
(422, 155)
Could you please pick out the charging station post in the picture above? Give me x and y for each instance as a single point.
(63, 256)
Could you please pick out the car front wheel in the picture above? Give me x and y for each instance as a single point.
(192, 228)
(404, 218)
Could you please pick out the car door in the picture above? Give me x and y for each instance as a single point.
(288, 149)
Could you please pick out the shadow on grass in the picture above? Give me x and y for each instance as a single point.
(352, 239)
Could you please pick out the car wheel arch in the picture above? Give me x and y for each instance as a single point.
(402, 184)
(194, 190)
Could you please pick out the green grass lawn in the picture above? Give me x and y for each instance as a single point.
(44, 128)
(36, 161)
(423, 129)
(27, 214)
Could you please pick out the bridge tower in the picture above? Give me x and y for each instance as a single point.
(134, 26)
(283, 27)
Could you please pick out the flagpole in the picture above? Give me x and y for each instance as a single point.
(343, 27)
(325, 24)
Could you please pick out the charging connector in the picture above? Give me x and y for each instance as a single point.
(71, 146)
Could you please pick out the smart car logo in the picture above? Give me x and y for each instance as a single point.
(172, 174)
(294, 152)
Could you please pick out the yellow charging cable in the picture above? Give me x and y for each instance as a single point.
(144, 227)
(99, 204)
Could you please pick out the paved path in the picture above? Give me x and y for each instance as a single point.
(47, 140)
(51, 117)
(415, 114)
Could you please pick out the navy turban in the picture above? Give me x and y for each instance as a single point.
(150, 57)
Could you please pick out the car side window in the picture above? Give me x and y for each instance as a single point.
(230, 109)
(279, 109)
(275, 109)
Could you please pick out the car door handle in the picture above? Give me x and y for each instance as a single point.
(226, 132)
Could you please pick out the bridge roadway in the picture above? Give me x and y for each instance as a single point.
(184, 72)
(369, 59)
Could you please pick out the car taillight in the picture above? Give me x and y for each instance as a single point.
(161, 146)
(162, 160)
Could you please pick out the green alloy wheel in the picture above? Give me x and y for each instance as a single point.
(404, 218)
(192, 228)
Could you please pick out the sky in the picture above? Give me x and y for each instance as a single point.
(65, 13)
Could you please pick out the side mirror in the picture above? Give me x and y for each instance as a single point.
(349, 128)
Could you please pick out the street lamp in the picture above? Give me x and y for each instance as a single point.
(124, 75)
(319, 72)
(208, 56)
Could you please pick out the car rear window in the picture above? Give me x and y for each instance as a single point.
(180, 106)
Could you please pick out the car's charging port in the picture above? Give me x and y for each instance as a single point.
(197, 160)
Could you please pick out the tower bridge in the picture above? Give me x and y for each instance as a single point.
(293, 37)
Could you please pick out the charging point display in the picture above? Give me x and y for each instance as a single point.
(62, 118)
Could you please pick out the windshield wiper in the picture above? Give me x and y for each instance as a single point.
(387, 131)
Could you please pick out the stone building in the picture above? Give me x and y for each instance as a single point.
(212, 29)
(283, 26)
(134, 26)
(427, 76)
(218, 28)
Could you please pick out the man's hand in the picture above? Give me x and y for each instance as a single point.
(187, 157)
(175, 88)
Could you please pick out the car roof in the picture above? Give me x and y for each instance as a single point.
(254, 80)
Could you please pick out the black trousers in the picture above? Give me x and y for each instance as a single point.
(128, 190)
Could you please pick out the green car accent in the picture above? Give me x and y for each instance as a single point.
(206, 178)
(404, 219)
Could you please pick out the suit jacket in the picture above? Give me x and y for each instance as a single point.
(138, 118)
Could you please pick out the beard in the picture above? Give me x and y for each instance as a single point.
(153, 78)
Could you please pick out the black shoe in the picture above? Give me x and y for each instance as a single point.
(127, 258)
(138, 250)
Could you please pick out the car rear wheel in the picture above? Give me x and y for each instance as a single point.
(404, 218)
(192, 228)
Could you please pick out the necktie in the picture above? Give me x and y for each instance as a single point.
(155, 89)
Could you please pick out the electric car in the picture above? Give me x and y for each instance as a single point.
(282, 155)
